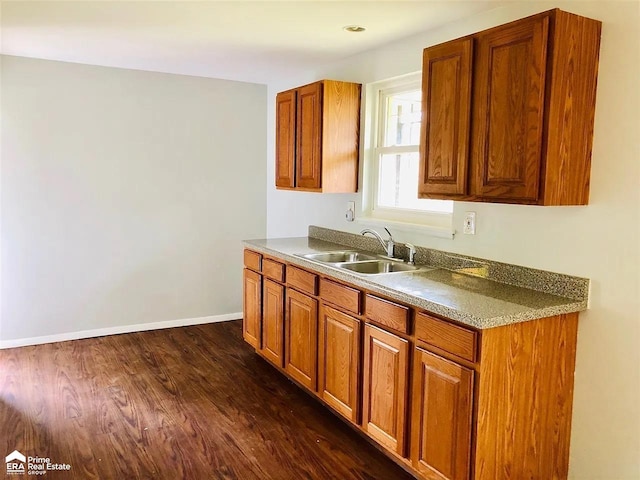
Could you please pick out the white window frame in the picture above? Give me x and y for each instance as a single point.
(429, 222)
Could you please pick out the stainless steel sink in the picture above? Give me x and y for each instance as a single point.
(360, 262)
(339, 257)
(377, 266)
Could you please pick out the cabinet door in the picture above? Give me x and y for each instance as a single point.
(301, 338)
(386, 361)
(252, 308)
(338, 360)
(286, 139)
(273, 322)
(309, 137)
(446, 110)
(441, 417)
(508, 111)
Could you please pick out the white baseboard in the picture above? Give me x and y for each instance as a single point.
(101, 332)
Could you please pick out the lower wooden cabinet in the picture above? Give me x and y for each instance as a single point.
(441, 417)
(273, 322)
(445, 401)
(252, 308)
(339, 361)
(301, 337)
(385, 388)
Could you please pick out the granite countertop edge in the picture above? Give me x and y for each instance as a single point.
(468, 318)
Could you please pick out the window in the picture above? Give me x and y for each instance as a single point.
(391, 175)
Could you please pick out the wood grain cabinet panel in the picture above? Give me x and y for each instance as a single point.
(302, 280)
(509, 101)
(252, 260)
(301, 338)
(286, 138)
(524, 400)
(252, 308)
(273, 322)
(339, 361)
(340, 295)
(387, 314)
(318, 137)
(506, 414)
(441, 417)
(531, 88)
(447, 336)
(274, 270)
(385, 388)
(446, 110)
(309, 136)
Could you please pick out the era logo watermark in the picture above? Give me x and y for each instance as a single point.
(15, 463)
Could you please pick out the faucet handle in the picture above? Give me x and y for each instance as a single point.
(390, 243)
(412, 253)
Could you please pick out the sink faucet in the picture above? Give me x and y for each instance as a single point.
(386, 244)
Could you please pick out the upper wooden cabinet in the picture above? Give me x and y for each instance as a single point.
(286, 139)
(317, 137)
(446, 107)
(508, 113)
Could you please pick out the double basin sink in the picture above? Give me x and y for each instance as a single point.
(360, 262)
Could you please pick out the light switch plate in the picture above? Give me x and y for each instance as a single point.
(469, 223)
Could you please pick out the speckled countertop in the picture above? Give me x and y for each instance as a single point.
(478, 302)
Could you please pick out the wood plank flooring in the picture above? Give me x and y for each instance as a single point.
(184, 403)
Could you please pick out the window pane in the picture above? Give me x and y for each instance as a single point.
(398, 185)
(396, 195)
(402, 122)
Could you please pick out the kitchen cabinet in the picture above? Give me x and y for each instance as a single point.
(441, 417)
(446, 111)
(301, 338)
(509, 112)
(302, 280)
(447, 337)
(272, 347)
(286, 139)
(318, 136)
(252, 308)
(388, 315)
(344, 297)
(339, 361)
(443, 399)
(385, 388)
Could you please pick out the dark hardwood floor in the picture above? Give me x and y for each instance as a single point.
(184, 403)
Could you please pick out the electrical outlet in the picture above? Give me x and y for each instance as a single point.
(351, 211)
(469, 223)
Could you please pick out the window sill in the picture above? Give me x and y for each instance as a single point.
(405, 227)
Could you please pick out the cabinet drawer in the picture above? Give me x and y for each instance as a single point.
(252, 260)
(304, 281)
(387, 313)
(341, 295)
(273, 269)
(450, 338)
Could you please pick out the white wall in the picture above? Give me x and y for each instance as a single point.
(124, 195)
(600, 241)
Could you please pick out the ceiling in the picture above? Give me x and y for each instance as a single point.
(253, 41)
